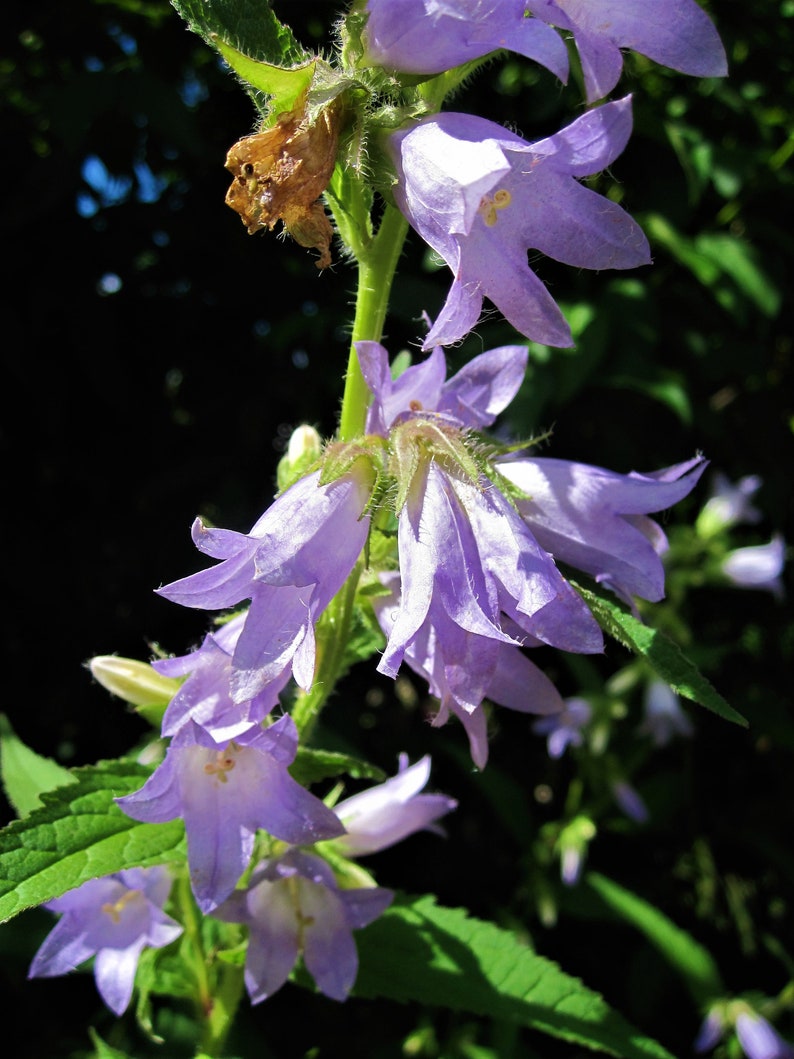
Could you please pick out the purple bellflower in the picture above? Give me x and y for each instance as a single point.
(472, 398)
(380, 816)
(759, 1039)
(431, 36)
(757, 1036)
(664, 716)
(630, 802)
(292, 563)
(565, 729)
(206, 695)
(461, 670)
(113, 919)
(473, 582)
(293, 906)
(729, 504)
(758, 566)
(480, 196)
(674, 33)
(225, 792)
(596, 520)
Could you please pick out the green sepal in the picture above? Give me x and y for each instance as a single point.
(80, 834)
(662, 654)
(420, 951)
(26, 774)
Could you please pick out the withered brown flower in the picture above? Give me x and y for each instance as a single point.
(279, 175)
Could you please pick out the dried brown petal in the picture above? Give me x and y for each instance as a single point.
(280, 174)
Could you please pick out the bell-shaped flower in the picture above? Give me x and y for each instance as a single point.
(226, 791)
(382, 815)
(431, 36)
(206, 695)
(462, 669)
(565, 729)
(596, 520)
(759, 1038)
(472, 398)
(114, 919)
(664, 716)
(674, 33)
(757, 566)
(293, 907)
(480, 196)
(292, 563)
(729, 504)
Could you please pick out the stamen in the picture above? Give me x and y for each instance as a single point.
(115, 910)
(224, 762)
(489, 204)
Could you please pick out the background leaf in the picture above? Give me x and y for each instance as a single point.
(688, 957)
(421, 951)
(660, 652)
(25, 773)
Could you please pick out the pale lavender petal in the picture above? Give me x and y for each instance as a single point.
(757, 567)
(114, 972)
(329, 951)
(484, 386)
(419, 37)
(674, 33)
(759, 1039)
(273, 942)
(710, 1033)
(386, 814)
(363, 907)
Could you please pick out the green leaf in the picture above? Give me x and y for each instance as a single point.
(102, 1050)
(418, 950)
(79, 834)
(25, 773)
(285, 86)
(693, 963)
(248, 26)
(311, 766)
(664, 656)
(262, 51)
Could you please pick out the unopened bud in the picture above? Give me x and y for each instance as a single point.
(135, 682)
(304, 449)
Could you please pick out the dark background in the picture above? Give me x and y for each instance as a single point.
(156, 358)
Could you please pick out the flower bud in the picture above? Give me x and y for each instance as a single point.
(135, 682)
(304, 448)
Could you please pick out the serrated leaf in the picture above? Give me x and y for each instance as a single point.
(311, 766)
(79, 834)
(418, 950)
(688, 957)
(664, 656)
(249, 26)
(25, 773)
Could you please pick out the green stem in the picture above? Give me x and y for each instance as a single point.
(216, 1005)
(376, 267)
(331, 641)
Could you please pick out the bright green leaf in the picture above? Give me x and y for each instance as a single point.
(693, 963)
(249, 26)
(25, 773)
(79, 834)
(285, 86)
(664, 656)
(420, 951)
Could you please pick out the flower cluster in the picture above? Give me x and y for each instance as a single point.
(453, 546)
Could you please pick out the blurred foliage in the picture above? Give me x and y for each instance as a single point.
(156, 359)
